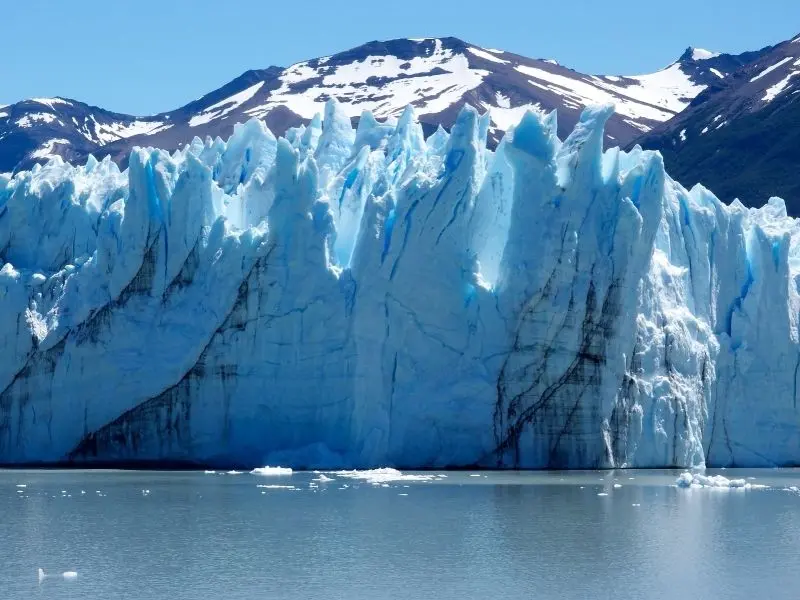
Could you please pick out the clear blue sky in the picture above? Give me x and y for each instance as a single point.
(147, 56)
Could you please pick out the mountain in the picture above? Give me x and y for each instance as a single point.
(436, 76)
(741, 138)
(360, 298)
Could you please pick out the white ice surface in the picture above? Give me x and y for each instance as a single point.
(271, 471)
(352, 299)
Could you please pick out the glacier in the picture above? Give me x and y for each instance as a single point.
(366, 297)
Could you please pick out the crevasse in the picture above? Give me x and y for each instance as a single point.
(360, 298)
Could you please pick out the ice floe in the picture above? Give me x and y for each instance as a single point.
(696, 480)
(384, 475)
(271, 471)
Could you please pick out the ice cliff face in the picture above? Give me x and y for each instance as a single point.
(370, 297)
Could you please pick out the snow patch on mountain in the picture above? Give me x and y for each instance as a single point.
(671, 88)
(701, 54)
(595, 91)
(771, 68)
(109, 132)
(46, 150)
(773, 91)
(31, 119)
(486, 55)
(224, 107)
(49, 102)
(381, 84)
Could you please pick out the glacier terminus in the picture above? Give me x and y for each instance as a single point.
(353, 298)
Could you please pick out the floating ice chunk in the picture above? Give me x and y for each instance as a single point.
(617, 486)
(209, 472)
(687, 480)
(277, 487)
(65, 575)
(635, 504)
(602, 494)
(323, 478)
(402, 494)
(21, 485)
(383, 475)
(271, 471)
(475, 475)
(234, 472)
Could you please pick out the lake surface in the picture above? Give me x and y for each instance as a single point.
(178, 535)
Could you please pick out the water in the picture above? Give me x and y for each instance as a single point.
(497, 535)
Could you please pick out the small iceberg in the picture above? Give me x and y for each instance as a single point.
(64, 575)
(271, 471)
(695, 480)
(382, 475)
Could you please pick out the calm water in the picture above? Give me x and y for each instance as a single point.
(496, 535)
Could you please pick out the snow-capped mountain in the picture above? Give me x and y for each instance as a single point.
(741, 137)
(436, 76)
(35, 129)
(359, 298)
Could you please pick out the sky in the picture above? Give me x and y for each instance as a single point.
(148, 56)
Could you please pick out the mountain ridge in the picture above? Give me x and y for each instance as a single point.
(740, 138)
(436, 75)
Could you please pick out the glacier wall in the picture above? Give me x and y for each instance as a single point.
(356, 298)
